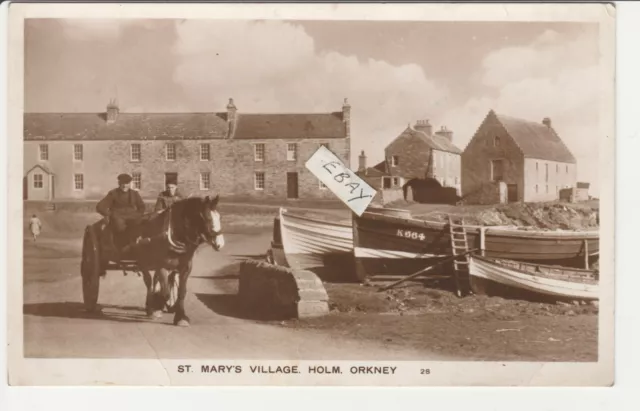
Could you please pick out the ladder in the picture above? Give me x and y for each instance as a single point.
(460, 250)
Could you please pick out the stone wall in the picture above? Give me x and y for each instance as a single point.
(278, 293)
(231, 166)
(488, 193)
(390, 195)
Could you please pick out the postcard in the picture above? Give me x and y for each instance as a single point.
(311, 194)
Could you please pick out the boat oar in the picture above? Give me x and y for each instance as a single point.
(424, 270)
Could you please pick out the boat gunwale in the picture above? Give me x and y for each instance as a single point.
(492, 260)
(506, 231)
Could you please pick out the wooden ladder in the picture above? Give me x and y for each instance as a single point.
(459, 249)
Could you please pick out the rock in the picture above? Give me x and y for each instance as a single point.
(562, 303)
(575, 302)
(570, 313)
(595, 303)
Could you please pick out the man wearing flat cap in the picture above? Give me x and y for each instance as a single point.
(169, 196)
(123, 206)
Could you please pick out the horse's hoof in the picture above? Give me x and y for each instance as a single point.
(156, 314)
(183, 323)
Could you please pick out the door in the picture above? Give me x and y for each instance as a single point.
(52, 187)
(292, 185)
(512, 193)
(25, 188)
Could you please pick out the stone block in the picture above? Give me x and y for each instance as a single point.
(307, 309)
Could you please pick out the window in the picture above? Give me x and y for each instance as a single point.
(205, 152)
(536, 188)
(44, 152)
(557, 168)
(258, 183)
(497, 170)
(170, 152)
(546, 174)
(78, 182)
(496, 141)
(292, 152)
(38, 181)
(205, 181)
(135, 152)
(78, 152)
(395, 182)
(258, 152)
(395, 161)
(386, 182)
(567, 169)
(136, 180)
(321, 185)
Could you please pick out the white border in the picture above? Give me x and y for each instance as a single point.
(628, 15)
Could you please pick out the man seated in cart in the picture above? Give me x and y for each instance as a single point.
(123, 208)
(169, 196)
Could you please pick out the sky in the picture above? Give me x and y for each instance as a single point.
(393, 73)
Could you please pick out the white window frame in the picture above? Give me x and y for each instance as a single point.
(203, 186)
(75, 151)
(166, 152)
(41, 181)
(395, 161)
(256, 157)
(208, 146)
(75, 182)
(256, 179)
(41, 152)
(395, 181)
(292, 155)
(496, 141)
(131, 157)
(137, 185)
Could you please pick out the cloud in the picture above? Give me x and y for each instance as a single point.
(554, 76)
(274, 66)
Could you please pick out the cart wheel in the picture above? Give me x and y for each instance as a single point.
(90, 270)
(174, 283)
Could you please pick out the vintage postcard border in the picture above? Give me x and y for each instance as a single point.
(164, 372)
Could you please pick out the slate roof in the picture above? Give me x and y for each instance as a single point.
(128, 126)
(180, 126)
(434, 141)
(270, 126)
(536, 140)
(379, 170)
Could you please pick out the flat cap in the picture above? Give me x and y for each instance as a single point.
(124, 178)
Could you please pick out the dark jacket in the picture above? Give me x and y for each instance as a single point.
(118, 203)
(165, 200)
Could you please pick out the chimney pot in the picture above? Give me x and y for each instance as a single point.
(112, 111)
(362, 161)
(424, 126)
(546, 121)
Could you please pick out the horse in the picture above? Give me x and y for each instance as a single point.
(170, 241)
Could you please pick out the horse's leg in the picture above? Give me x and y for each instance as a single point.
(148, 282)
(180, 318)
(161, 297)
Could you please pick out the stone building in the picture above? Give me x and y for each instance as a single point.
(529, 157)
(253, 155)
(416, 154)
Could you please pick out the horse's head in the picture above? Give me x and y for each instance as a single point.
(204, 220)
(212, 222)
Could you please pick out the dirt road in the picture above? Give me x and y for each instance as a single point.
(57, 327)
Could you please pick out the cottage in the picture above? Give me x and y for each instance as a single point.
(228, 153)
(529, 157)
(417, 154)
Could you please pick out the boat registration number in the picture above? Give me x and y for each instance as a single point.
(411, 234)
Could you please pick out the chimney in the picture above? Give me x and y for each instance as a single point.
(346, 116)
(112, 111)
(424, 126)
(547, 122)
(445, 132)
(362, 163)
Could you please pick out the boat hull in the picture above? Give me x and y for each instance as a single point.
(323, 247)
(546, 280)
(391, 245)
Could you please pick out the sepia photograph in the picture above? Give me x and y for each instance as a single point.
(293, 197)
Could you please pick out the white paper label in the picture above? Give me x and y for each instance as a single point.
(342, 182)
